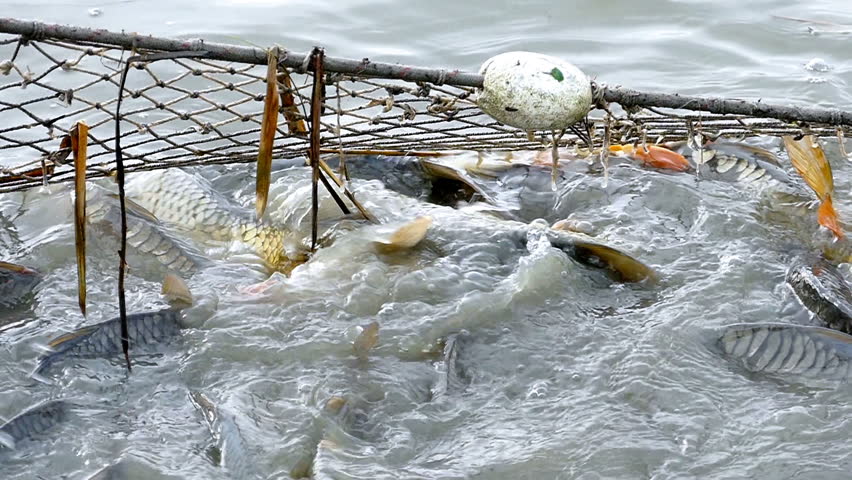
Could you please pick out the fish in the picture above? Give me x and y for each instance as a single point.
(16, 284)
(191, 203)
(144, 330)
(235, 455)
(145, 232)
(821, 288)
(785, 349)
(452, 377)
(619, 266)
(33, 422)
(737, 162)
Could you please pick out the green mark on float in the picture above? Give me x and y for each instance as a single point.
(557, 74)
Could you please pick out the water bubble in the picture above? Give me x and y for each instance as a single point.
(538, 390)
(817, 65)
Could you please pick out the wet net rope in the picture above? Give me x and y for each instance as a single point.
(193, 102)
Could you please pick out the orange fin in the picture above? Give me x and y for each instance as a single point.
(809, 160)
(70, 336)
(827, 217)
(655, 156)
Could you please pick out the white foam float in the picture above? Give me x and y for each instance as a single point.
(532, 91)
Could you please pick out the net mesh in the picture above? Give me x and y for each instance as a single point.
(191, 111)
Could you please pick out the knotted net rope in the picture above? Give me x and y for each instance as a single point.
(193, 103)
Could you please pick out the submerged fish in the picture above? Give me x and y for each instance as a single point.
(190, 202)
(145, 233)
(31, 423)
(143, 329)
(534, 185)
(16, 284)
(451, 374)
(823, 290)
(783, 349)
(236, 458)
(737, 162)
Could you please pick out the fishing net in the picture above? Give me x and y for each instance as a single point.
(191, 103)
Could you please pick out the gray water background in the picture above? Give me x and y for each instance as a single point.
(571, 377)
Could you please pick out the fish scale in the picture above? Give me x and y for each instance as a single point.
(16, 284)
(822, 289)
(223, 427)
(183, 199)
(145, 233)
(790, 349)
(33, 422)
(104, 339)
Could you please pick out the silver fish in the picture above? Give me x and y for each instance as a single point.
(33, 422)
(451, 374)
(104, 339)
(738, 162)
(784, 349)
(190, 202)
(16, 284)
(145, 233)
(236, 458)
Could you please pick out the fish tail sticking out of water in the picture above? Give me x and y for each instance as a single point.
(16, 284)
(33, 422)
(783, 349)
(809, 160)
(821, 288)
(144, 330)
(236, 458)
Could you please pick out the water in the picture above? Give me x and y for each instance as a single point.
(570, 376)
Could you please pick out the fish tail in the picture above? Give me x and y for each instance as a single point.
(176, 291)
(808, 158)
(828, 218)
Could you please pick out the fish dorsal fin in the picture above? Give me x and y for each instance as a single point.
(16, 268)
(625, 267)
(366, 340)
(137, 209)
(406, 236)
(82, 332)
(176, 291)
(834, 335)
(441, 170)
(7, 441)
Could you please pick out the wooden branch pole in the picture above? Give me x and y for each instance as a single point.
(314, 152)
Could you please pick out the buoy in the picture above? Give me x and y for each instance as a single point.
(532, 91)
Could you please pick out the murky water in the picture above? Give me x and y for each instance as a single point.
(568, 375)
